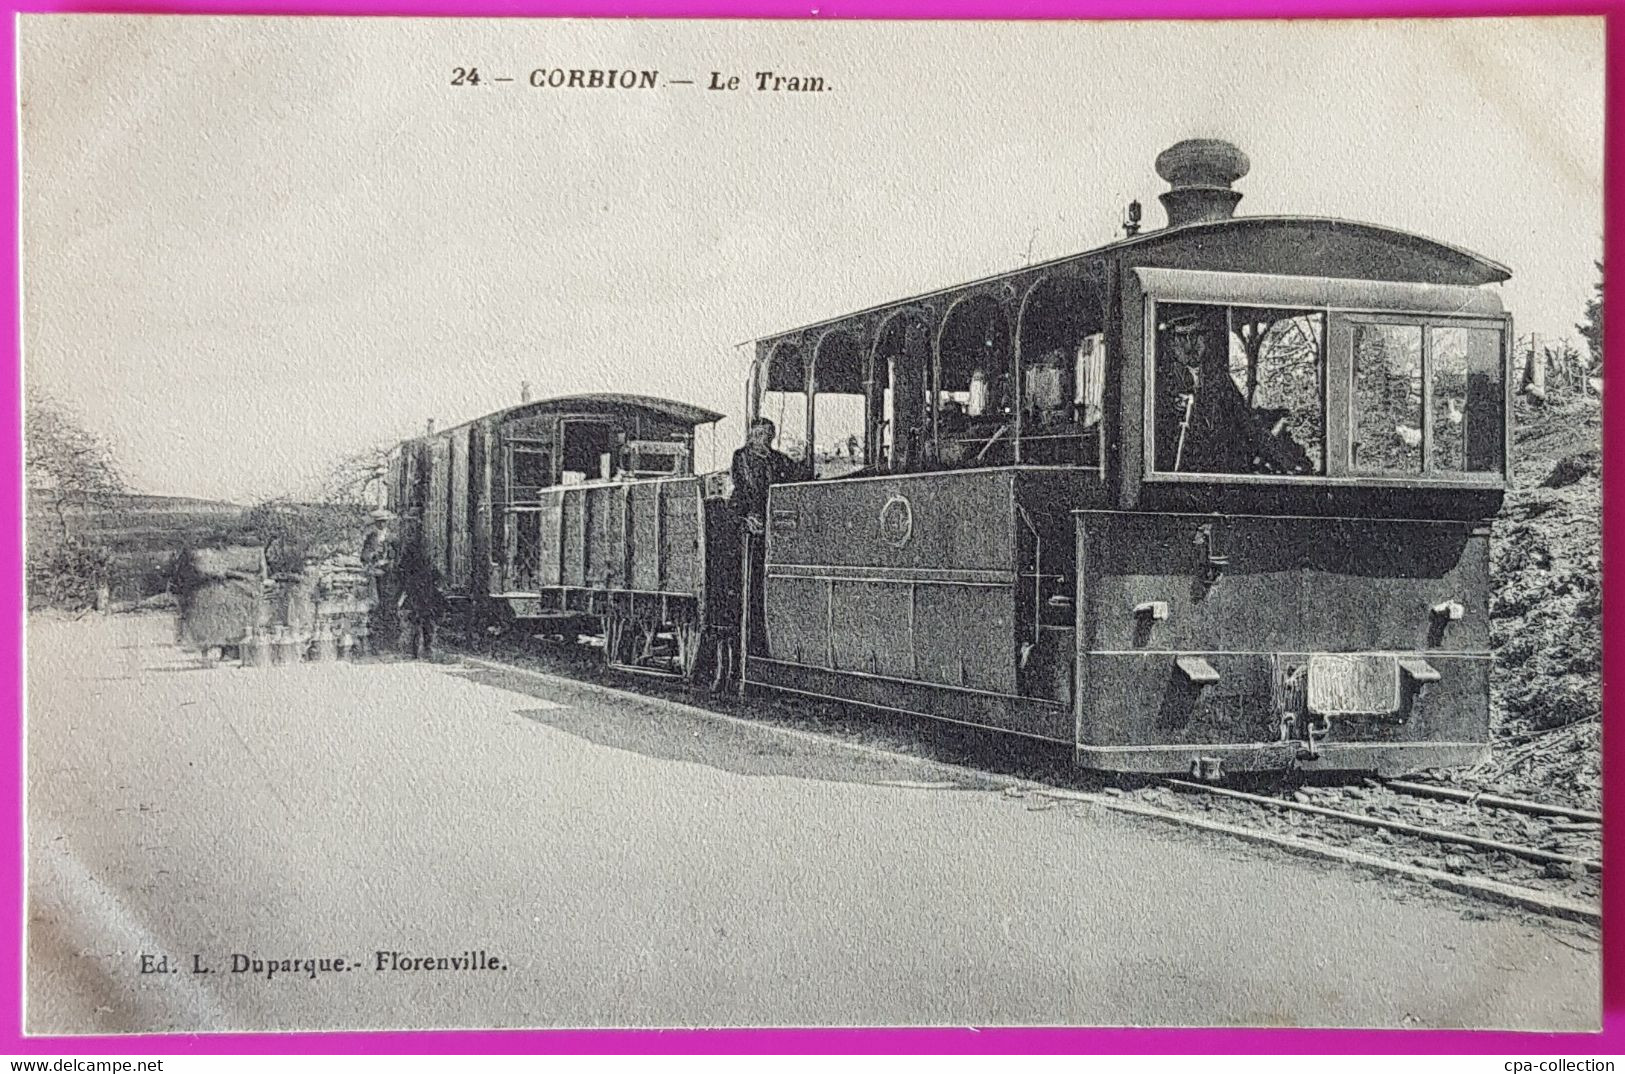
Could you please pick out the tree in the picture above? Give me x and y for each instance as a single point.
(66, 465)
(358, 479)
(1591, 327)
(290, 529)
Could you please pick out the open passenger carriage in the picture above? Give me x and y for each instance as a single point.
(1211, 497)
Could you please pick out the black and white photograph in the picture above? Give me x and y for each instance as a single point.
(585, 523)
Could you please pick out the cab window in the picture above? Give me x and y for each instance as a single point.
(653, 458)
(784, 399)
(1387, 435)
(587, 453)
(840, 406)
(1429, 398)
(1468, 399)
(973, 400)
(1239, 390)
(1063, 403)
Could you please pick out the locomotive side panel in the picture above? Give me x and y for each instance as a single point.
(902, 592)
(947, 617)
(1285, 583)
(910, 577)
(953, 520)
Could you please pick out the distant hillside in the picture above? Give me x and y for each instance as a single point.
(129, 518)
(139, 503)
(139, 531)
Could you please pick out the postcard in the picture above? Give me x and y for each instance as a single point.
(546, 523)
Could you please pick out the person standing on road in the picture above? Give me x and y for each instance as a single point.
(420, 597)
(379, 551)
(219, 592)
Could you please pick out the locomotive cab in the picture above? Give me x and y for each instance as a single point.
(1212, 497)
(1295, 570)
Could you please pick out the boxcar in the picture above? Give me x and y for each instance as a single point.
(1210, 497)
(578, 514)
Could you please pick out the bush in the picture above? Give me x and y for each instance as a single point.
(290, 532)
(68, 576)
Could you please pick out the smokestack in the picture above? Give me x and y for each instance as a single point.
(1199, 172)
(524, 391)
(428, 427)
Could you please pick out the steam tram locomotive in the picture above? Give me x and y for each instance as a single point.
(1212, 497)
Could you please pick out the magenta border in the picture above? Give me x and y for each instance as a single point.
(884, 1041)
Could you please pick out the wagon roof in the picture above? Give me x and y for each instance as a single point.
(1464, 266)
(598, 402)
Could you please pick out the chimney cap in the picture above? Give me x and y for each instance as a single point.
(1199, 172)
(1202, 162)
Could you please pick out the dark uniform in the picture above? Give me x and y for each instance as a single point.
(1221, 433)
(755, 470)
(379, 551)
(420, 596)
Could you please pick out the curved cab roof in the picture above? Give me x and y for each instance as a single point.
(1270, 244)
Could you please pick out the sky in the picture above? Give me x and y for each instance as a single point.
(254, 245)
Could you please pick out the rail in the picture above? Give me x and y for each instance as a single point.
(1494, 801)
(1438, 835)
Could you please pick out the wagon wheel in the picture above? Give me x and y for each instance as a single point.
(615, 639)
(648, 632)
(690, 650)
(720, 664)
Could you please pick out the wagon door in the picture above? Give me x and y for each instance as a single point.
(459, 564)
(436, 501)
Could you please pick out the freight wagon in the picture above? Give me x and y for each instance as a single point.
(580, 514)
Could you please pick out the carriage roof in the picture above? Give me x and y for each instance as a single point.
(611, 402)
(618, 403)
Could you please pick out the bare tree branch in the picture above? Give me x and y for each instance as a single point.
(64, 463)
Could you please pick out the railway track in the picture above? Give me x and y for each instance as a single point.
(1553, 850)
(1567, 862)
(1495, 846)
